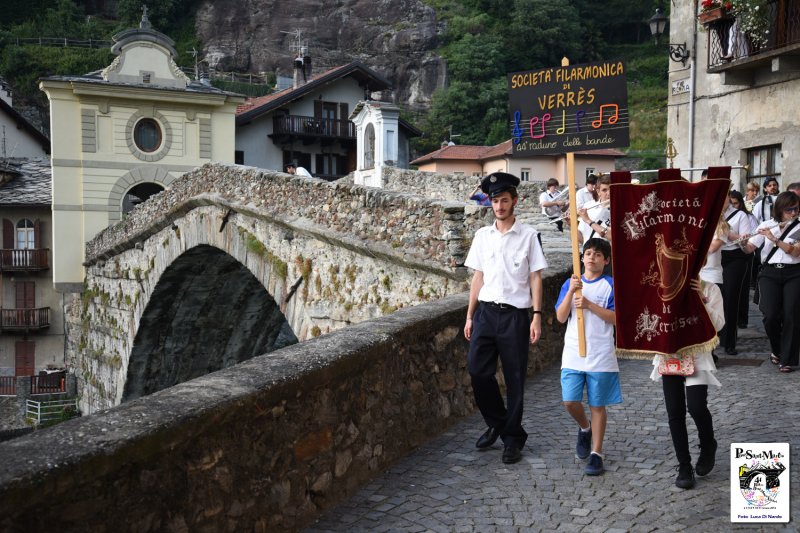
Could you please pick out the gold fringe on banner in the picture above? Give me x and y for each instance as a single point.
(695, 349)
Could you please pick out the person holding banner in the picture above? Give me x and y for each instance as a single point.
(598, 372)
(691, 390)
(779, 282)
(508, 262)
(734, 271)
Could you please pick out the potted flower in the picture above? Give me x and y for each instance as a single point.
(753, 20)
(714, 10)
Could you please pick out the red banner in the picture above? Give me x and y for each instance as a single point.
(660, 236)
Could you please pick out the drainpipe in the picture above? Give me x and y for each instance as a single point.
(692, 82)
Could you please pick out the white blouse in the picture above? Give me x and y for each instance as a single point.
(741, 223)
(780, 256)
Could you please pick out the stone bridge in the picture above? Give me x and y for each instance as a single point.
(231, 262)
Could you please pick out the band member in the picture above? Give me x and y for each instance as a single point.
(734, 270)
(508, 261)
(779, 282)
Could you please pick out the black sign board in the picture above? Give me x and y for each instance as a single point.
(569, 109)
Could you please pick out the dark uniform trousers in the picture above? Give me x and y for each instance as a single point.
(780, 296)
(503, 332)
(734, 270)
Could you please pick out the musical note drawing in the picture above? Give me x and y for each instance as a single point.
(612, 120)
(563, 128)
(517, 132)
(534, 121)
(578, 116)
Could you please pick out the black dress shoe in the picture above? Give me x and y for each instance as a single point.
(488, 438)
(731, 351)
(511, 454)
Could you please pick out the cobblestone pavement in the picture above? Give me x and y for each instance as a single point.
(449, 486)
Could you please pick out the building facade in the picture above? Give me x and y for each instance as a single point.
(18, 137)
(482, 160)
(31, 317)
(121, 135)
(736, 98)
(309, 123)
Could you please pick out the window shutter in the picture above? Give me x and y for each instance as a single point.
(8, 234)
(320, 167)
(343, 111)
(317, 108)
(26, 295)
(37, 234)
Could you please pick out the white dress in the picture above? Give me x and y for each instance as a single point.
(704, 367)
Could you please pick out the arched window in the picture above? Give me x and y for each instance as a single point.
(25, 235)
(139, 194)
(369, 147)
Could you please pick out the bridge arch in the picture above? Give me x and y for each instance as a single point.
(206, 313)
(156, 314)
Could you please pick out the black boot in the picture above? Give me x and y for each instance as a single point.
(685, 479)
(708, 455)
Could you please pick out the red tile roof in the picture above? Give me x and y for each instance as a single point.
(482, 153)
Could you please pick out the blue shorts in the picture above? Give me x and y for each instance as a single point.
(602, 388)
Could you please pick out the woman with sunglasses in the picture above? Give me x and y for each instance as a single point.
(779, 281)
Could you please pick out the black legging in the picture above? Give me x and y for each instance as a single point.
(734, 270)
(780, 294)
(676, 397)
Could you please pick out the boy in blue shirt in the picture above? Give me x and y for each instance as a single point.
(598, 372)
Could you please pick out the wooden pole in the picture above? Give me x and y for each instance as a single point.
(573, 234)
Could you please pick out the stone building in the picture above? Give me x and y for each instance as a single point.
(125, 133)
(309, 123)
(468, 160)
(736, 96)
(31, 317)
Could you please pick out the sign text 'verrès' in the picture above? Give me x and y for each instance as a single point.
(569, 109)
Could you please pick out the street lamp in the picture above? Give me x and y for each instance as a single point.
(658, 23)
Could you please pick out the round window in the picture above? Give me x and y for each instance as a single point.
(147, 135)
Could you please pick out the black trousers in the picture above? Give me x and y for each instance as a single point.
(780, 305)
(734, 270)
(744, 294)
(676, 397)
(504, 333)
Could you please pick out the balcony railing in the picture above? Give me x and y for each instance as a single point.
(24, 319)
(313, 127)
(728, 45)
(44, 383)
(8, 386)
(24, 260)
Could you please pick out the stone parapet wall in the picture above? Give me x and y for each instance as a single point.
(454, 188)
(411, 225)
(265, 445)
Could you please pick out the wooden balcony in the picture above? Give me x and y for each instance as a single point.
(734, 53)
(24, 319)
(311, 129)
(25, 260)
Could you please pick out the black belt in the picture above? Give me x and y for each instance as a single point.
(504, 307)
(781, 265)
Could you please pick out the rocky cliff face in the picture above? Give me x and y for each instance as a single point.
(396, 38)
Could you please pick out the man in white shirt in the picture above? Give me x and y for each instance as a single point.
(552, 202)
(586, 194)
(291, 168)
(763, 209)
(508, 262)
